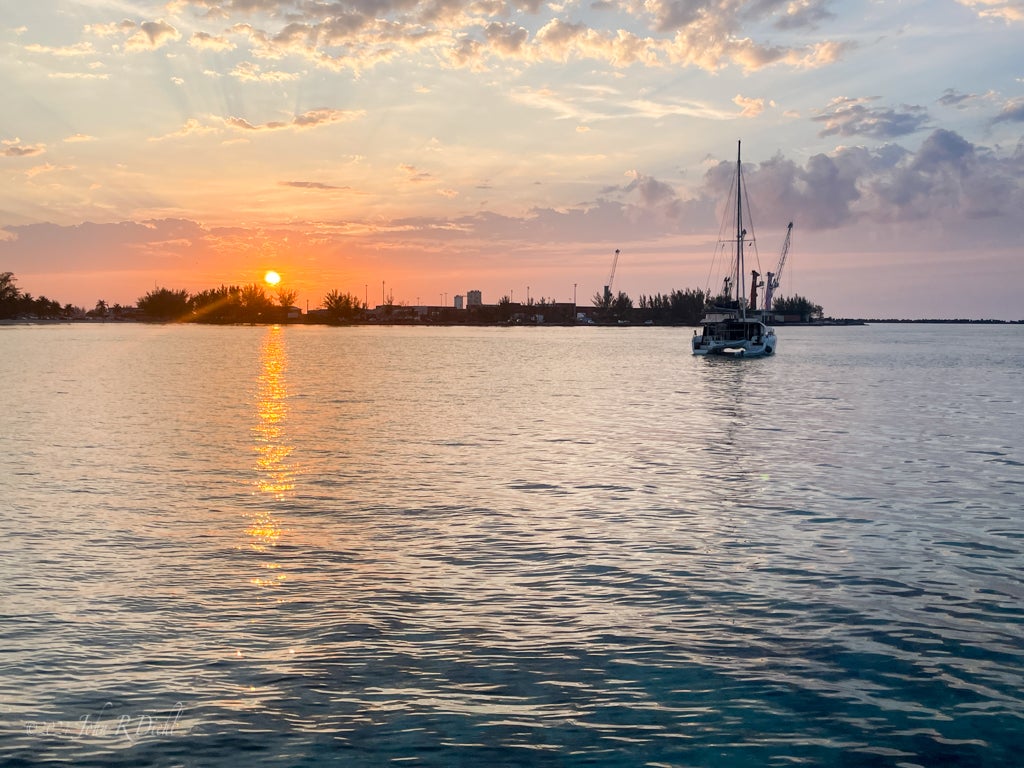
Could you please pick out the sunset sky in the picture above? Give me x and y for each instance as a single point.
(436, 147)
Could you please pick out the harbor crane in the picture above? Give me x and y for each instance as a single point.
(611, 277)
(773, 277)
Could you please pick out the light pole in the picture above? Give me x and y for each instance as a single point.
(382, 301)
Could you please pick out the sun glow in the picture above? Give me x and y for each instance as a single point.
(272, 278)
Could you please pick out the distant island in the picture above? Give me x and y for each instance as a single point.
(252, 304)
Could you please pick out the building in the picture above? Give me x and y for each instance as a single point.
(458, 302)
(474, 299)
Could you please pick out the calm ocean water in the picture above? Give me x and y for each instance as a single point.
(471, 547)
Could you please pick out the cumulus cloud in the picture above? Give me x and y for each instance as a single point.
(1001, 10)
(749, 107)
(1012, 111)
(946, 180)
(152, 35)
(207, 42)
(799, 14)
(14, 148)
(651, 191)
(473, 34)
(854, 117)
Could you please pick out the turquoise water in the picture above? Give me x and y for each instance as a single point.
(553, 546)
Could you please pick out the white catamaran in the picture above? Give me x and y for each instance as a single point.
(732, 325)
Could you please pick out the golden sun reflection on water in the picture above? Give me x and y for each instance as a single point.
(275, 478)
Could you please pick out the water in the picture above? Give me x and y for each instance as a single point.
(554, 546)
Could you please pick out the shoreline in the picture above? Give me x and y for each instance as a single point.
(827, 323)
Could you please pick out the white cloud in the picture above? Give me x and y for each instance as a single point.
(1002, 10)
(749, 107)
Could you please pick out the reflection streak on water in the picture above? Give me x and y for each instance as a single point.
(275, 478)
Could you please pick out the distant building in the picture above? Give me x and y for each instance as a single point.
(458, 302)
(474, 298)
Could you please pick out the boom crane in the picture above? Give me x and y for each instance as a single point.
(773, 277)
(611, 277)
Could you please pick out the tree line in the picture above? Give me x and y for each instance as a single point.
(253, 304)
(225, 304)
(241, 304)
(16, 303)
(686, 307)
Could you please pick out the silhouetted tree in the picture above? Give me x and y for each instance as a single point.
(9, 295)
(165, 304)
(216, 305)
(254, 305)
(286, 298)
(687, 307)
(342, 307)
(612, 309)
(46, 308)
(676, 308)
(797, 305)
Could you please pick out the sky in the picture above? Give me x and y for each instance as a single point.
(417, 150)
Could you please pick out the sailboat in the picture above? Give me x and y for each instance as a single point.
(732, 325)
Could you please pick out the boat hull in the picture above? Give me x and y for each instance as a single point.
(736, 338)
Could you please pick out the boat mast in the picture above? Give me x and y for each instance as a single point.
(740, 232)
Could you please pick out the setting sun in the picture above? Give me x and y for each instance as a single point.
(272, 278)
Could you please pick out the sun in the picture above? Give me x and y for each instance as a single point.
(272, 278)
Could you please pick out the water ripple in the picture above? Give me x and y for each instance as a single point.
(487, 547)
